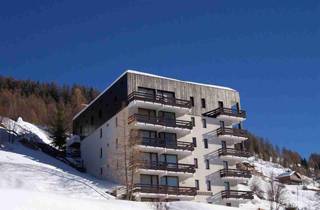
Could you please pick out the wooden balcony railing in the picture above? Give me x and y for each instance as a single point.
(232, 132)
(174, 167)
(160, 121)
(225, 111)
(137, 95)
(233, 152)
(165, 189)
(235, 173)
(237, 194)
(158, 142)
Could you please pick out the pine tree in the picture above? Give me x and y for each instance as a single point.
(59, 128)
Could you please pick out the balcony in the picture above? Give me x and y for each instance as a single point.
(233, 154)
(235, 174)
(158, 102)
(229, 116)
(162, 146)
(236, 195)
(180, 127)
(164, 191)
(232, 134)
(165, 169)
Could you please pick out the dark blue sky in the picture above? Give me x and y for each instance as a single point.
(268, 50)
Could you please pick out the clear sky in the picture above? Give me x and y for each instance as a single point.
(268, 50)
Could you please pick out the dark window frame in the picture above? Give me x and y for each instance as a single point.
(194, 141)
(203, 103)
(195, 161)
(197, 185)
(192, 101)
(205, 142)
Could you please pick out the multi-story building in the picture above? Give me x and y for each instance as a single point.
(170, 139)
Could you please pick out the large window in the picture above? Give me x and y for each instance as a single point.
(169, 138)
(170, 181)
(149, 179)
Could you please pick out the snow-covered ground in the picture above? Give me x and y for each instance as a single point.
(22, 127)
(295, 195)
(32, 180)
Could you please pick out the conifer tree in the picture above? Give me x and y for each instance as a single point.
(59, 128)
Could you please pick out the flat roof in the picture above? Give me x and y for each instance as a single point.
(150, 75)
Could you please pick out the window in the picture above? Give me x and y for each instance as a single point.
(117, 143)
(101, 171)
(205, 141)
(193, 121)
(116, 122)
(203, 103)
(195, 162)
(208, 185)
(207, 164)
(100, 133)
(228, 204)
(220, 104)
(204, 123)
(192, 101)
(91, 120)
(100, 114)
(169, 181)
(194, 141)
(197, 184)
(100, 153)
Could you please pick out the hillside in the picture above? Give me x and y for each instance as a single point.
(38, 102)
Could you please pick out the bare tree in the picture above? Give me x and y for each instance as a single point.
(275, 193)
(255, 187)
(129, 156)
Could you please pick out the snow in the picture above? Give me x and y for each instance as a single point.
(22, 127)
(32, 180)
(296, 195)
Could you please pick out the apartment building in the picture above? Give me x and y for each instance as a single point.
(170, 139)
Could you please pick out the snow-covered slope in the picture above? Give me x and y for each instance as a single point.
(295, 195)
(21, 127)
(32, 180)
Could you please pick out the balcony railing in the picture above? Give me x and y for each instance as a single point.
(235, 173)
(158, 142)
(236, 194)
(165, 189)
(232, 132)
(225, 111)
(233, 152)
(137, 95)
(173, 167)
(160, 121)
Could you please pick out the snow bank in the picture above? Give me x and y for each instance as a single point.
(22, 127)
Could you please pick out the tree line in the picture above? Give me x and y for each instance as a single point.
(265, 150)
(47, 104)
